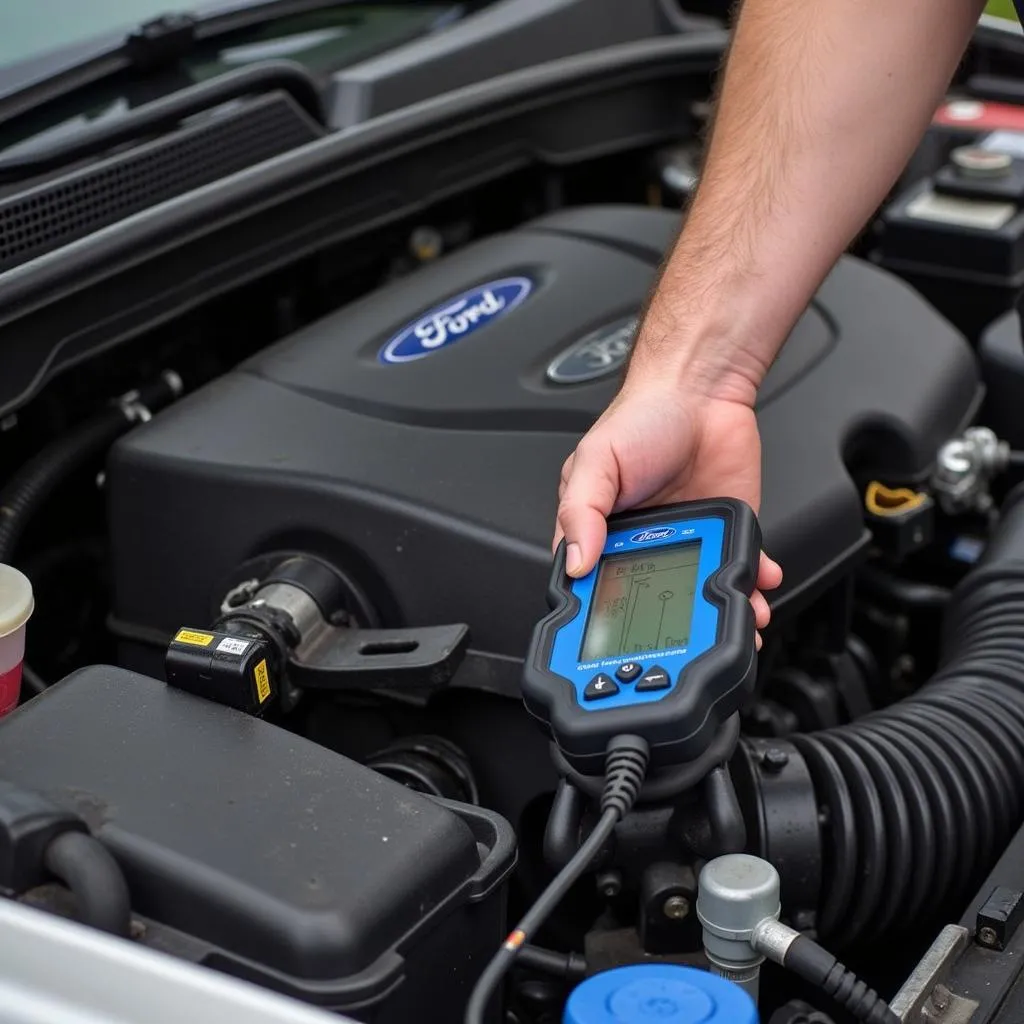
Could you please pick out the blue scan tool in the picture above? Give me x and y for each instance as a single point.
(657, 641)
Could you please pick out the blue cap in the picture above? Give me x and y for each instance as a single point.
(659, 994)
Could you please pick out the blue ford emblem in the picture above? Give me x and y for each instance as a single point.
(455, 319)
(598, 354)
(646, 536)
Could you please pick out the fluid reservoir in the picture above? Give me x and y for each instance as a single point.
(16, 606)
(662, 993)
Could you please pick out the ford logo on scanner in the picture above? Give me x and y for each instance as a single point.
(455, 319)
(646, 536)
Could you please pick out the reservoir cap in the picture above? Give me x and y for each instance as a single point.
(16, 601)
(659, 994)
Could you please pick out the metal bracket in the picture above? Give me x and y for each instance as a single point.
(914, 1003)
(339, 658)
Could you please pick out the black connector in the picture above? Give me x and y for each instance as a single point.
(29, 823)
(40, 842)
(228, 668)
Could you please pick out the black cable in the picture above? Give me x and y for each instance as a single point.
(625, 769)
(89, 870)
(24, 494)
(806, 959)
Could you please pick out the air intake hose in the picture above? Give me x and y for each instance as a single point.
(917, 800)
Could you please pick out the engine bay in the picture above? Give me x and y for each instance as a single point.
(289, 539)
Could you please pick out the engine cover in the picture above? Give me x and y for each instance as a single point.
(416, 436)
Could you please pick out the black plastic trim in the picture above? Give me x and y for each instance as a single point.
(99, 291)
(169, 111)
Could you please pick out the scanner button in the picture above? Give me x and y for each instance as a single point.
(599, 687)
(655, 678)
(628, 672)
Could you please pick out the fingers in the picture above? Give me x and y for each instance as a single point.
(589, 488)
(769, 574)
(563, 480)
(762, 614)
(769, 577)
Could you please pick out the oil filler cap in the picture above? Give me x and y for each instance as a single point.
(658, 994)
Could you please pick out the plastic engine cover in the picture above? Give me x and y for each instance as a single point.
(433, 479)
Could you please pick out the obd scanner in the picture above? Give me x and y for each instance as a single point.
(642, 665)
(657, 641)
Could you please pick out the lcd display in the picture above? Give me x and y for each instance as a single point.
(643, 601)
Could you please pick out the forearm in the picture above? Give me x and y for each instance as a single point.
(821, 105)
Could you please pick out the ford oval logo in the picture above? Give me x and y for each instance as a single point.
(646, 536)
(456, 319)
(598, 354)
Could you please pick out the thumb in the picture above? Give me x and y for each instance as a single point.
(588, 497)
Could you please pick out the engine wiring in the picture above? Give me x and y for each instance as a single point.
(625, 770)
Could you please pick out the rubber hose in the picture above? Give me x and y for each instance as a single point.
(41, 475)
(34, 482)
(89, 870)
(570, 966)
(921, 797)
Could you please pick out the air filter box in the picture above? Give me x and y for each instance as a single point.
(257, 853)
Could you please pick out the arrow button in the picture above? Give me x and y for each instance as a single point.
(655, 678)
(599, 687)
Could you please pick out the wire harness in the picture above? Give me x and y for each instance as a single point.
(625, 769)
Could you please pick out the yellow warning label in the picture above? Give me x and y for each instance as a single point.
(188, 636)
(262, 681)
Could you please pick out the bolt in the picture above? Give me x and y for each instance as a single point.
(676, 908)
(774, 760)
(987, 936)
(941, 997)
(609, 884)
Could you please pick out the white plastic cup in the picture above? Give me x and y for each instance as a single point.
(16, 606)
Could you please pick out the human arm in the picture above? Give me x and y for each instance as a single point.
(821, 104)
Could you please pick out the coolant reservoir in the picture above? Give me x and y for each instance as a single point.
(16, 606)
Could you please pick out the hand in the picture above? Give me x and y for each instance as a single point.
(655, 444)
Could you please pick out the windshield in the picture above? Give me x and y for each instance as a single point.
(323, 41)
(32, 27)
(333, 36)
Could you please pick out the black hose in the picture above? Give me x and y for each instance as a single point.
(87, 868)
(808, 960)
(921, 797)
(29, 488)
(900, 593)
(40, 476)
(570, 966)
